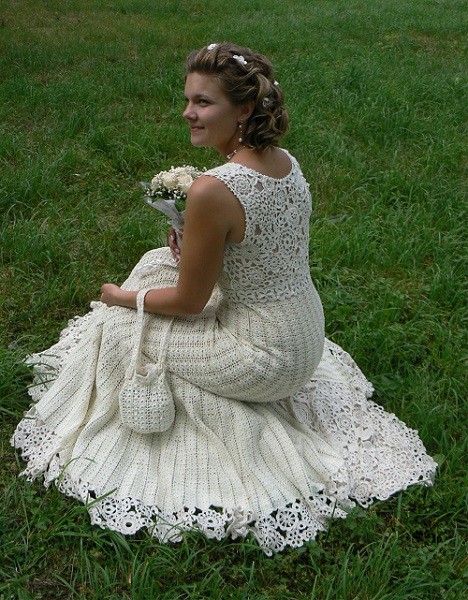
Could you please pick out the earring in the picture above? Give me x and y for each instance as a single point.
(241, 139)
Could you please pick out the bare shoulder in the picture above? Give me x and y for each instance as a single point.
(211, 200)
(207, 184)
(209, 190)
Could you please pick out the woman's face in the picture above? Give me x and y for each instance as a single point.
(213, 119)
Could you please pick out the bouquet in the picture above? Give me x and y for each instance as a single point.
(167, 193)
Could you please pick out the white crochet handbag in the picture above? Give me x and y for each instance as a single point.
(145, 400)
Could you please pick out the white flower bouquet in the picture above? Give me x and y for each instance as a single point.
(168, 191)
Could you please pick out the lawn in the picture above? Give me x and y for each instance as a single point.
(91, 95)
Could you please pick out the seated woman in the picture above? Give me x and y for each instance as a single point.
(273, 432)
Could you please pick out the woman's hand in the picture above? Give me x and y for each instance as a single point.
(112, 295)
(175, 250)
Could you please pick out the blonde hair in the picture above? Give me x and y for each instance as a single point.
(246, 77)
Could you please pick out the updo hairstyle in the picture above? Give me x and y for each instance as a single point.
(246, 77)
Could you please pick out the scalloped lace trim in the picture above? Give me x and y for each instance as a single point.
(381, 456)
(289, 525)
(381, 453)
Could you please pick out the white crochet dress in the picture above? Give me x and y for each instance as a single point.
(274, 433)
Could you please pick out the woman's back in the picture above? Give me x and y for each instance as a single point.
(271, 262)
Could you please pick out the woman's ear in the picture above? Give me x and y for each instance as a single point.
(246, 110)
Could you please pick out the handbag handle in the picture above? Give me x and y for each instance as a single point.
(138, 341)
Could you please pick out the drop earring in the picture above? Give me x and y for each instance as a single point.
(241, 139)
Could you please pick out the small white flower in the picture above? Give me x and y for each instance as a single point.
(184, 182)
(211, 46)
(155, 183)
(265, 102)
(240, 59)
(276, 83)
(169, 180)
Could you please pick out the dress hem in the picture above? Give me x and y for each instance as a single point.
(291, 525)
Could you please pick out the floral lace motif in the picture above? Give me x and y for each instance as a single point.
(381, 457)
(289, 525)
(265, 267)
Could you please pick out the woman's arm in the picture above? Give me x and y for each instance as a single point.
(212, 213)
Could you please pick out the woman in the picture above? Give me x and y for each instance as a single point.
(273, 432)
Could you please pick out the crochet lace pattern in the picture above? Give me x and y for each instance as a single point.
(381, 456)
(274, 432)
(272, 261)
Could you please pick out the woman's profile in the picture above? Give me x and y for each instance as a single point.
(273, 432)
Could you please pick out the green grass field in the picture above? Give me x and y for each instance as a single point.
(91, 95)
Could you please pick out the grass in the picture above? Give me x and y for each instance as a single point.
(90, 101)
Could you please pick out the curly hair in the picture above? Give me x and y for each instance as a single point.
(249, 80)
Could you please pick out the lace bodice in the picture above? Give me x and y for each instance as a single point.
(271, 263)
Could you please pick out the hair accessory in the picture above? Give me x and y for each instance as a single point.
(211, 46)
(240, 59)
(276, 83)
(265, 102)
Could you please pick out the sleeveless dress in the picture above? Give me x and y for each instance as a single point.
(274, 433)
